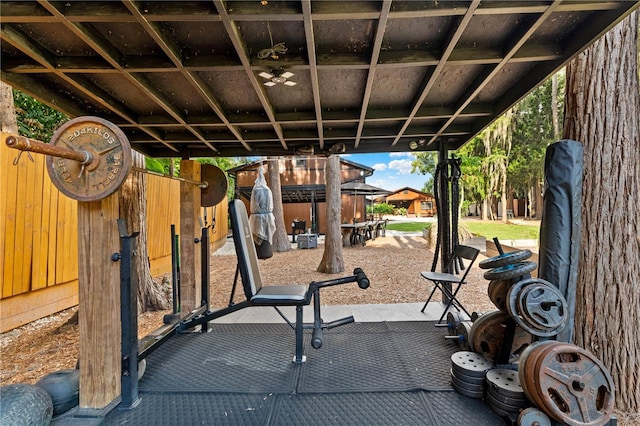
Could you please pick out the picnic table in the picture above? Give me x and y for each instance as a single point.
(360, 232)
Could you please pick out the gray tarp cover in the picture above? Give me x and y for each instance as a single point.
(262, 221)
(561, 223)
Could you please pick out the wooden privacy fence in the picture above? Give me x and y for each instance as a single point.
(39, 237)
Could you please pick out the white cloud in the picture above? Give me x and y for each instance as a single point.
(402, 166)
(400, 154)
(379, 166)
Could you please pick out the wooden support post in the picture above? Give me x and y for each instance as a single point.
(190, 261)
(99, 302)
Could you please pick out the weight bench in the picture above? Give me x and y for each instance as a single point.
(276, 295)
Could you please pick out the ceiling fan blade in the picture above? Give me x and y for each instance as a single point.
(269, 83)
(266, 75)
(287, 74)
(290, 83)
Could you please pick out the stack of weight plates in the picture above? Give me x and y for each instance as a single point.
(468, 370)
(504, 393)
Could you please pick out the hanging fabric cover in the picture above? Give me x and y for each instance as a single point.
(262, 221)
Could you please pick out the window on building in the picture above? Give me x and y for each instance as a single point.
(426, 205)
(301, 163)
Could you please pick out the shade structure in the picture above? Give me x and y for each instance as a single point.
(361, 188)
(262, 221)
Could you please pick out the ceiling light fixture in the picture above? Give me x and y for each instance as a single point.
(278, 76)
(415, 145)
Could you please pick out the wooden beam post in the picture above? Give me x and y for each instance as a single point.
(99, 302)
(190, 262)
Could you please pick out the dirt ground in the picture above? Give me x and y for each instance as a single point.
(393, 265)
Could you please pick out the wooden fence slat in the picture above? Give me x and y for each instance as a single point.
(53, 234)
(27, 213)
(41, 244)
(18, 244)
(5, 193)
(36, 237)
(60, 239)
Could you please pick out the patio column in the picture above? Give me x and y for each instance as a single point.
(190, 260)
(444, 214)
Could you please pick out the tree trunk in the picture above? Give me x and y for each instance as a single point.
(602, 111)
(280, 238)
(332, 259)
(7, 109)
(133, 209)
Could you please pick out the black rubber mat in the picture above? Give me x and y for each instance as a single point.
(384, 408)
(242, 374)
(223, 362)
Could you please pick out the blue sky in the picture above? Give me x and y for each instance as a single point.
(392, 170)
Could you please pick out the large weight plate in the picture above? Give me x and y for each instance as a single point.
(574, 386)
(505, 259)
(529, 303)
(488, 333)
(217, 185)
(508, 272)
(111, 163)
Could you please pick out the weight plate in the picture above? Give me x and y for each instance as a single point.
(498, 410)
(467, 393)
(523, 364)
(505, 382)
(544, 306)
(505, 259)
(529, 303)
(574, 386)
(453, 318)
(111, 164)
(533, 417)
(491, 400)
(488, 333)
(471, 387)
(508, 272)
(531, 376)
(462, 331)
(477, 381)
(497, 291)
(217, 185)
(510, 402)
(470, 363)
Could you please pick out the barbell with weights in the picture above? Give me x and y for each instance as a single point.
(89, 158)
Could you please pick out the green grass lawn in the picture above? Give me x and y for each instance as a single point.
(486, 229)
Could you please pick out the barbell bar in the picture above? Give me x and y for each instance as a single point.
(89, 158)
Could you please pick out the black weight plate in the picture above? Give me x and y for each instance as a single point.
(511, 402)
(467, 393)
(504, 407)
(471, 363)
(498, 410)
(510, 271)
(505, 259)
(476, 381)
(533, 417)
(505, 382)
(467, 386)
(515, 304)
(536, 308)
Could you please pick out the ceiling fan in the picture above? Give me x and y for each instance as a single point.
(278, 76)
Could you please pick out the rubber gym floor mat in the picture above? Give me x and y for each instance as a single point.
(418, 357)
(384, 408)
(172, 409)
(223, 362)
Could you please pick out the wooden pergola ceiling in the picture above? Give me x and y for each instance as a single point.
(181, 79)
